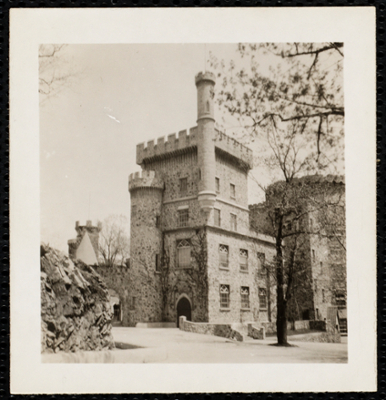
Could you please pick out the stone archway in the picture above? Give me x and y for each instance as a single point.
(184, 308)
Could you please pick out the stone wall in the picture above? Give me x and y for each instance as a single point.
(235, 278)
(222, 330)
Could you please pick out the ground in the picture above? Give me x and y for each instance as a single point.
(170, 345)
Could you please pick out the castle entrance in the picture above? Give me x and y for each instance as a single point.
(183, 309)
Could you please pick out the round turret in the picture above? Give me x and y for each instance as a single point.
(205, 145)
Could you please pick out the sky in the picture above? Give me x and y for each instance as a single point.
(115, 97)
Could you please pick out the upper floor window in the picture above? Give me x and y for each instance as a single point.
(261, 264)
(262, 298)
(217, 185)
(233, 222)
(183, 187)
(217, 217)
(340, 300)
(157, 263)
(244, 297)
(157, 221)
(183, 217)
(183, 253)
(243, 255)
(223, 252)
(233, 191)
(313, 255)
(224, 296)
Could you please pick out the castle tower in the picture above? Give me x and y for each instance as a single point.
(86, 245)
(146, 190)
(206, 135)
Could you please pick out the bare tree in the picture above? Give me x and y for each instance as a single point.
(114, 243)
(56, 72)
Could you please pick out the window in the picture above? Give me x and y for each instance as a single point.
(261, 264)
(217, 185)
(132, 305)
(244, 297)
(157, 221)
(157, 263)
(223, 252)
(313, 255)
(243, 256)
(340, 300)
(183, 187)
(321, 266)
(183, 254)
(233, 222)
(262, 298)
(199, 174)
(233, 191)
(224, 296)
(323, 296)
(217, 217)
(289, 226)
(183, 217)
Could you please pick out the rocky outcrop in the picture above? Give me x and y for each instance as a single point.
(75, 305)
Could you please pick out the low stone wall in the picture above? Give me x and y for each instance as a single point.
(256, 333)
(222, 330)
(318, 325)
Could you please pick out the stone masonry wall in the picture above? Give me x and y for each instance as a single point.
(235, 278)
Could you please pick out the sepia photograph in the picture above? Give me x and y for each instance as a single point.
(198, 206)
(206, 228)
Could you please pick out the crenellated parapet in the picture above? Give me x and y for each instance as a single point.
(174, 144)
(145, 179)
(231, 146)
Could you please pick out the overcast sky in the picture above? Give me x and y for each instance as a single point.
(117, 96)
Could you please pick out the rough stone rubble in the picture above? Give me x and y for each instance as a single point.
(75, 305)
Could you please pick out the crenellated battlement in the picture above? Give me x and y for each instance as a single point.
(172, 144)
(145, 179)
(234, 148)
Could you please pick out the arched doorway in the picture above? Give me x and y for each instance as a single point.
(183, 308)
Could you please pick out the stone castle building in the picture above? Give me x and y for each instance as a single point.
(320, 229)
(192, 250)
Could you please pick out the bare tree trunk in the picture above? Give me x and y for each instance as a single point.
(281, 319)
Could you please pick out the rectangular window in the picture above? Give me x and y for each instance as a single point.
(243, 256)
(233, 191)
(233, 222)
(183, 187)
(224, 296)
(313, 255)
(157, 263)
(157, 221)
(217, 217)
(183, 217)
(340, 300)
(223, 252)
(132, 305)
(244, 297)
(261, 264)
(217, 185)
(262, 298)
(183, 254)
(323, 296)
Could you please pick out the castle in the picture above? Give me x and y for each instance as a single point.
(192, 250)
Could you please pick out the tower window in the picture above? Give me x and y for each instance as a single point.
(223, 252)
(233, 222)
(183, 217)
(217, 185)
(224, 296)
(183, 253)
(233, 191)
(340, 300)
(183, 186)
(217, 217)
(323, 296)
(207, 106)
(313, 255)
(157, 221)
(262, 298)
(244, 297)
(261, 264)
(243, 256)
(157, 263)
